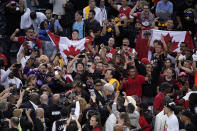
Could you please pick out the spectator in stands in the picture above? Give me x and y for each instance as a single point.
(171, 121)
(37, 18)
(79, 24)
(13, 13)
(97, 15)
(58, 6)
(164, 10)
(159, 98)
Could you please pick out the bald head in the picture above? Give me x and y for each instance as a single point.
(56, 98)
(44, 99)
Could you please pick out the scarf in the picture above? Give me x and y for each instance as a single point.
(87, 9)
(149, 20)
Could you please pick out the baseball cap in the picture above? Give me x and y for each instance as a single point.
(145, 61)
(170, 106)
(182, 74)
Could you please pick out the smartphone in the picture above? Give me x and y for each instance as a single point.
(73, 95)
(72, 111)
(13, 4)
(91, 92)
(129, 57)
(56, 72)
(122, 22)
(81, 56)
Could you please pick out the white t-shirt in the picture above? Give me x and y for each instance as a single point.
(186, 97)
(172, 123)
(110, 122)
(160, 121)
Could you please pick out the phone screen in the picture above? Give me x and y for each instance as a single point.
(56, 72)
(72, 111)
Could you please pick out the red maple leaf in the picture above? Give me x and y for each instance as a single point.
(72, 51)
(173, 45)
(167, 38)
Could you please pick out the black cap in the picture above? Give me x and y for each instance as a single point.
(165, 85)
(97, 81)
(143, 106)
(171, 106)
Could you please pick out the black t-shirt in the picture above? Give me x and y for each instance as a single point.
(12, 15)
(60, 124)
(128, 32)
(91, 26)
(187, 17)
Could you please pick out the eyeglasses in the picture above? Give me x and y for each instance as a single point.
(125, 45)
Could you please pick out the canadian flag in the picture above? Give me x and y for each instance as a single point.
(68, 47)
(176, 37)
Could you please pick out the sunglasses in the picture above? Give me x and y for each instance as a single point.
(89, 65)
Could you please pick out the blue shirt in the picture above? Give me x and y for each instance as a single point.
(164, 7)
(79, 27)
(57, 25)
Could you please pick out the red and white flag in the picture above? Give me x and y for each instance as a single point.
(176, 37)
(66, 46)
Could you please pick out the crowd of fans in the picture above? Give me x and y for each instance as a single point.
(106, 86)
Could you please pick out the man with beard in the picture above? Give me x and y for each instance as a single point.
(41, 75)
(33, 43)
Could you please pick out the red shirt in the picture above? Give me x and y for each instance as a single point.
(110, 54)
(143, 123)
(21, 40)
(125, 12)
(134, 86)
(158, 101)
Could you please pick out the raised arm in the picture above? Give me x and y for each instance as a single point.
(164, 45)
(13, 36)
(114, 106)
(134, 9)
(20, 100)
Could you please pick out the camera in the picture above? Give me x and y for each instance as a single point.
(17, 65)
(107, 49)
(13, 4)
(4, 124)
(83, 51)
(122, 22)
(81, 56)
